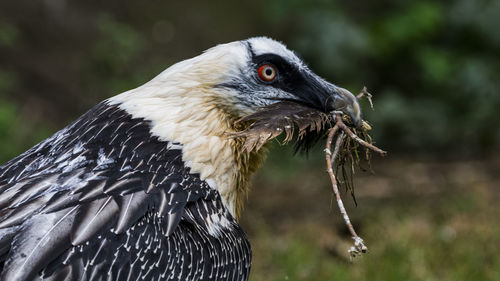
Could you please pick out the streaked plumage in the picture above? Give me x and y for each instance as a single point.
(148, 184)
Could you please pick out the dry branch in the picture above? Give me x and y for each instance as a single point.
(359, 246)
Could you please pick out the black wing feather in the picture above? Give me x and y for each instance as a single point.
(104, 200)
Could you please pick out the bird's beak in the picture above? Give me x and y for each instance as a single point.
(324, 96)
(346, 102)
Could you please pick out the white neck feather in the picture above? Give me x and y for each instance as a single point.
(184, 107)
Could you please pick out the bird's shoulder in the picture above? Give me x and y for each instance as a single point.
(101, 174)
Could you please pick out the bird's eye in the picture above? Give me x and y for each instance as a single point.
(267, 72)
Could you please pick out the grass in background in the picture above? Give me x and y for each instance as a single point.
(420, 220)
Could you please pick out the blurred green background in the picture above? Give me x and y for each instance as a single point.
(430, 211)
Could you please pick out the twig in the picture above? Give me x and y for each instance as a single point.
(364, 92)
(353, 136)
(358, 247)
(338, 144)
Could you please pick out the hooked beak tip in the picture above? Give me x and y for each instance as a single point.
(351, 106)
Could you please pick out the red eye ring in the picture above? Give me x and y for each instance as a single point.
(267, 72)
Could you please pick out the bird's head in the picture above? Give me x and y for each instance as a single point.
(257, 73)
(239, 78)
(260, 71)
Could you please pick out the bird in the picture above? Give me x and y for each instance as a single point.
(149, 184)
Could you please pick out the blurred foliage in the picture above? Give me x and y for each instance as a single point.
(16, 133)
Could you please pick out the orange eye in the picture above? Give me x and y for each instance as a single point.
(267, 72)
